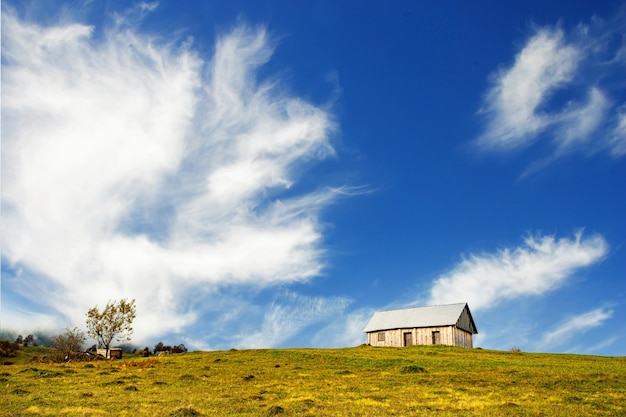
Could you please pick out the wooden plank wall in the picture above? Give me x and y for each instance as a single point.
(450, 336)
(464, 321)
(463, 338)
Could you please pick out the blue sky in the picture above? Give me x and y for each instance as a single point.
(270, 173)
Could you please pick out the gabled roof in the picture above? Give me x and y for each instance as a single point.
(431, 316)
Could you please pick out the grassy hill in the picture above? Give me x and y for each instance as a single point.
(25, 355)
(361, 381)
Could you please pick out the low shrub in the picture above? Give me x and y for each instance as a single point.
(185, 412)
(412, 369)
(275, 410)
(8, 349)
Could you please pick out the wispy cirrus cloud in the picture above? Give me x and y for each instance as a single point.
(563, 85)
(541, 264)
(134, 167)
(511, 105)
(345, 329)
(618, 133)
(576, 325)
(290, 314)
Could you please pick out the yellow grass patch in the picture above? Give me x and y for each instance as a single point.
(82, 411)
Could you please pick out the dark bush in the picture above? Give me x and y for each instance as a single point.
(276, 409)
(160, 347)
(8, 349)
(412, 369)
(19, 391)
(30, 339)
(179, 349)
(185, 412)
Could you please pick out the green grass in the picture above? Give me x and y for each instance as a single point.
(362, 381)
(25, 355)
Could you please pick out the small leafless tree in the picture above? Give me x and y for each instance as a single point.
(68, 344)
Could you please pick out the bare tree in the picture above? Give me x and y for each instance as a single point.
(112, 323)
(68, 343)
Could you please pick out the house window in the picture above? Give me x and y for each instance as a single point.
(381, 336)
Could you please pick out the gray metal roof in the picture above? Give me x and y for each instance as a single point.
(431, 316)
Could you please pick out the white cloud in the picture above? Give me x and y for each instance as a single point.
(617, 140)
(512, 104)
(22, 320)
(541, 264)
(600, 346)
(577, 124)
(540, 95)
(131, 167)
(290, 314)
(344, 330)
(575, 326)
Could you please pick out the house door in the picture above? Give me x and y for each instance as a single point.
(436, 338)
(408, 339)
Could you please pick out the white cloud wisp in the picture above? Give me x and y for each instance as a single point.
(542, 66)
(574, 326)
(541, 264)
(290, 314)
(560, 86)
(131, 167)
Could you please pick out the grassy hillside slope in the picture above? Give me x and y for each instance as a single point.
(361, 381)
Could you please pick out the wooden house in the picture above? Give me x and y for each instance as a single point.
(114, 353)
(450, 325)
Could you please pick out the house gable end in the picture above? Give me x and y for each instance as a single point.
(466, 321)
